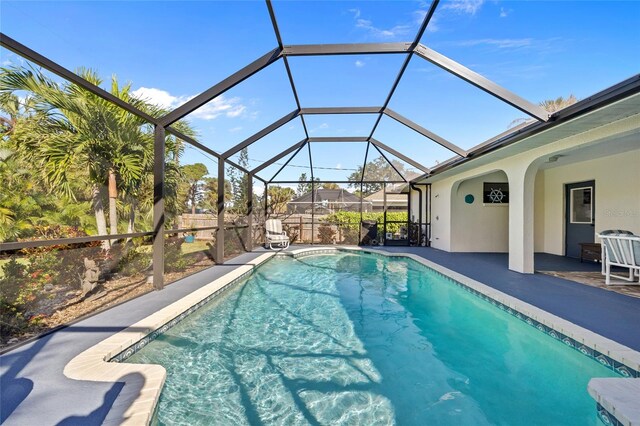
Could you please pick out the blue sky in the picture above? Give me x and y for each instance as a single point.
(171, 51)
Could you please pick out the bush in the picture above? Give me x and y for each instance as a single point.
(174, 260)
(131, 258)
(351, 221)
(22, 289)
(349, 235)
(326, 234)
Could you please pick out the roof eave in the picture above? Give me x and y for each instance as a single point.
(622, 90)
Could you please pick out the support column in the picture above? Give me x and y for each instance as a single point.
(249, 244)
(521, 225)
(158, 208)
(384, 209)
(220, 232)
(266, 214)
(313, 209)
(360, 224)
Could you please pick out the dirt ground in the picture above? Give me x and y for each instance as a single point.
(68, 306)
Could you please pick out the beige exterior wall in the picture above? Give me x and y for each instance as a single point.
(477, 227)
(617, 201)
(535, 212)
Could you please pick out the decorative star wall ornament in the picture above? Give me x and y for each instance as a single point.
(496, 195)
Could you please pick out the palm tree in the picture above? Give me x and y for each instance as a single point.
(78, 130)
(550, 105)
(553, 105)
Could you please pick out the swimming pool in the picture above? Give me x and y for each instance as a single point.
(363, 339)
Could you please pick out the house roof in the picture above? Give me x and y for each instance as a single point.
(392, 198)
(329, 195)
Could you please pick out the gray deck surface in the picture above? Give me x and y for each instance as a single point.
(34, 390)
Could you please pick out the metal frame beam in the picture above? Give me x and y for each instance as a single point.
(158, 207)
(425, 132)
(288, 161)
(346, 49)
(259, 135)
(481, 82)
(336, 181)
(404, 158)
(341, 110)
(276, 157)
(226, 84)
(339, 139)
(388, 161)
(405, 64)
(61, 71)
(249, 244)
(622, 90)
(276, 30)
(219, 256)
(364, 165)
(202, 147)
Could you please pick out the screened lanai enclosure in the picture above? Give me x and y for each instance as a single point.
(118, 209)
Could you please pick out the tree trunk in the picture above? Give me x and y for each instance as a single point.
(132, 216)
(98, 209)
(113, 195)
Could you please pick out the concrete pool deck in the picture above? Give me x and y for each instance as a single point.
(35, 390)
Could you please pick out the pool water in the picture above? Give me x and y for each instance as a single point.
(360, 339)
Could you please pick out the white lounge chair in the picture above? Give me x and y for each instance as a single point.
(620, 248)
(274, 234)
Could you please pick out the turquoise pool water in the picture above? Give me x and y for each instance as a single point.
(360, 339)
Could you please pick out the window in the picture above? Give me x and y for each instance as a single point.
(581, 205)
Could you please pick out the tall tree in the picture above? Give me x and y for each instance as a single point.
(304, 186)
(376, 170)
(210, 198)
(194, 175)
(329, 185)
(279, 196)
(239, 184)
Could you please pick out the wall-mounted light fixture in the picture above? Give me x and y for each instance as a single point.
(554, 158)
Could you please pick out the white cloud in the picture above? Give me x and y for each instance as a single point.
(464, 6)
(235, 129)
(359, 64)
(504, 12)
(338, 166)
(320, 127)
(356, 13)
(502, 43)
(231, 107)
(155, 96)
(398, 30)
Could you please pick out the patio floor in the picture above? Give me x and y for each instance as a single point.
(35, 391)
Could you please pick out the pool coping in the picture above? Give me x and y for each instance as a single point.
(616, 397)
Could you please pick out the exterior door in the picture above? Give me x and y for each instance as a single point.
(579, 221)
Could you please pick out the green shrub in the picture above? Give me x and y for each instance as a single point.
(174, 260)
(326, 234)
(351, 221)
(132, 258)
